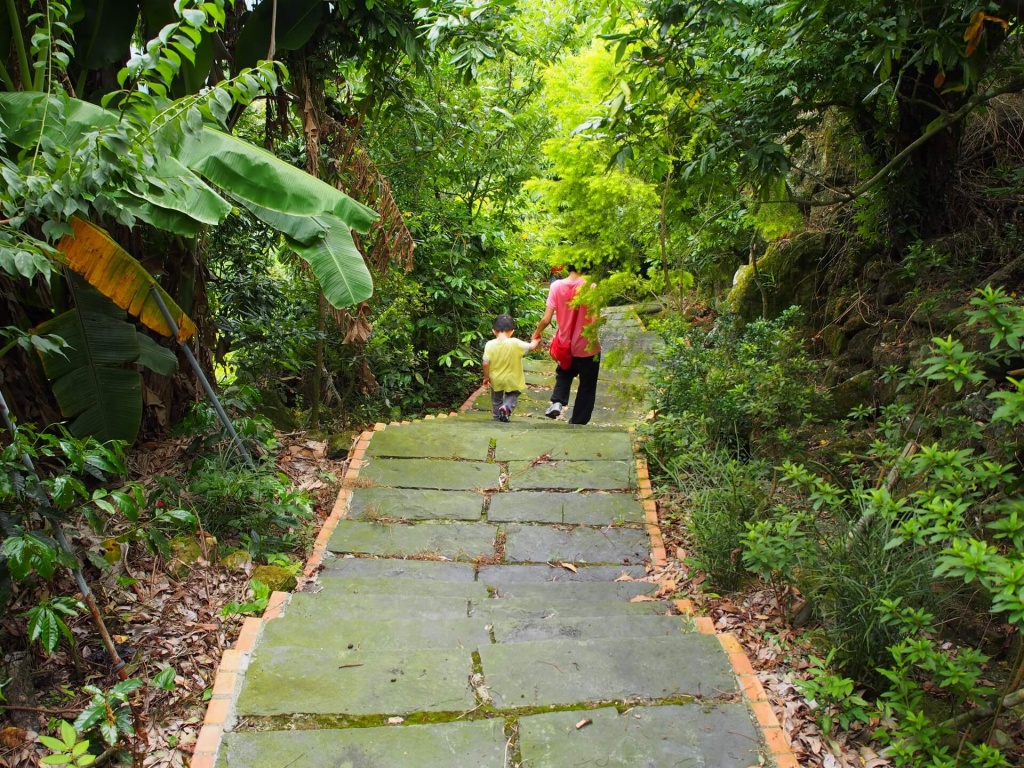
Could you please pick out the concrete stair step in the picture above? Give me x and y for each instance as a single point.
(573, 591)
(628, 628)
(481, 590)
(329, 606)
(533, 608)
(479, 744)
(503, 575)
(560, 672)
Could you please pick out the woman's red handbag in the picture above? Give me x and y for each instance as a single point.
(562, 353)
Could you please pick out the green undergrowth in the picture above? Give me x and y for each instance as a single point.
(892, 533)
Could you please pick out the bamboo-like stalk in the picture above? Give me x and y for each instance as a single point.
(19, 45)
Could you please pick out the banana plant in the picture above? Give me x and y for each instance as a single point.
(93, 379)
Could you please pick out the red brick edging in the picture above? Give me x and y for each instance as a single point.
(220, 711)
(775, 738)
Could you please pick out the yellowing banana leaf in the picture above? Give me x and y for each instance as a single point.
(112, 271)
(337, 264)
(251, 173)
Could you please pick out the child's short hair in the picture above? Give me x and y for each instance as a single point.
(504, 323)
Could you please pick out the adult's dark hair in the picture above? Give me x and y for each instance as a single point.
(571, 268)
(504, 323)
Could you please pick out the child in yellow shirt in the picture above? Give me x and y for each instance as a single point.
(503, 366)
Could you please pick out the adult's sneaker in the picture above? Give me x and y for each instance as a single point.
(554, 410)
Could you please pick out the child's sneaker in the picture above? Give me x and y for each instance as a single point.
(554, 410)
(503, 413)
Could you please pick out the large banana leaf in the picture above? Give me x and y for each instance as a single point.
(66, 119)
(304, 229)
(109, 268)
(90, 382)
(336, 262)
(253, 174)
(155, 357)
(297, 20)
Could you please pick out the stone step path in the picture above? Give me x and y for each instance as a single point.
(481, 605)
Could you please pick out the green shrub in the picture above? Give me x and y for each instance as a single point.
(737, 385)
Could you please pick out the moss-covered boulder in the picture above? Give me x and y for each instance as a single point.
(856, 390)
(238, 560)
(274, 576)
(338, 445)
(788, 274)
(186, 551)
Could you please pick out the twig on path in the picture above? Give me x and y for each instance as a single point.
(349, 666)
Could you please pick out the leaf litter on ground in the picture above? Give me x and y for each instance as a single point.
(160, 622)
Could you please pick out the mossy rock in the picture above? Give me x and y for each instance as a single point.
(274, 408)
(274, 576)
(338, 446)
(186, 551)
(862, 346)
(787, 271)
(856, 390)
(834, 339)
(238, 560)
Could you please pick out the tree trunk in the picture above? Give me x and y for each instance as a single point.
(927, 177)
(321, 327)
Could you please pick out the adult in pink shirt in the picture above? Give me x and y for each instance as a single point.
(586, 355)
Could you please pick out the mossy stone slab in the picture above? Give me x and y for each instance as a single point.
(367, 585)
(525, 609)
(539, 378)
(624, 590)
(282, 680)
(479, 744)
(719, 736)
(565, 508)
(328, 608)
(572, 475)
(333, 637)
(569, 445)
(531, 402)
(543, 543)
(454, 541)
(429, 440)
(570, 671)
(415, 504)
(390, 568)
(501, 575)
(431, 473)
(540, 362)
(627, 628)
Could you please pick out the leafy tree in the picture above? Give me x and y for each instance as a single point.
(754, 81)
(585, 212)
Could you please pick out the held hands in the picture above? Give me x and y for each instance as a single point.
(534, 343)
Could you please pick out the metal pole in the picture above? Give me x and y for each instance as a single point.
(155, 293)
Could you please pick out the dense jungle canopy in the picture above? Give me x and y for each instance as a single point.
(325, 204)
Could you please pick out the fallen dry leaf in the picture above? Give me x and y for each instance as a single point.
(569, 567)
(584, 722)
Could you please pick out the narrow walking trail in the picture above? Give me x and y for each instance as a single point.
(479, 605)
